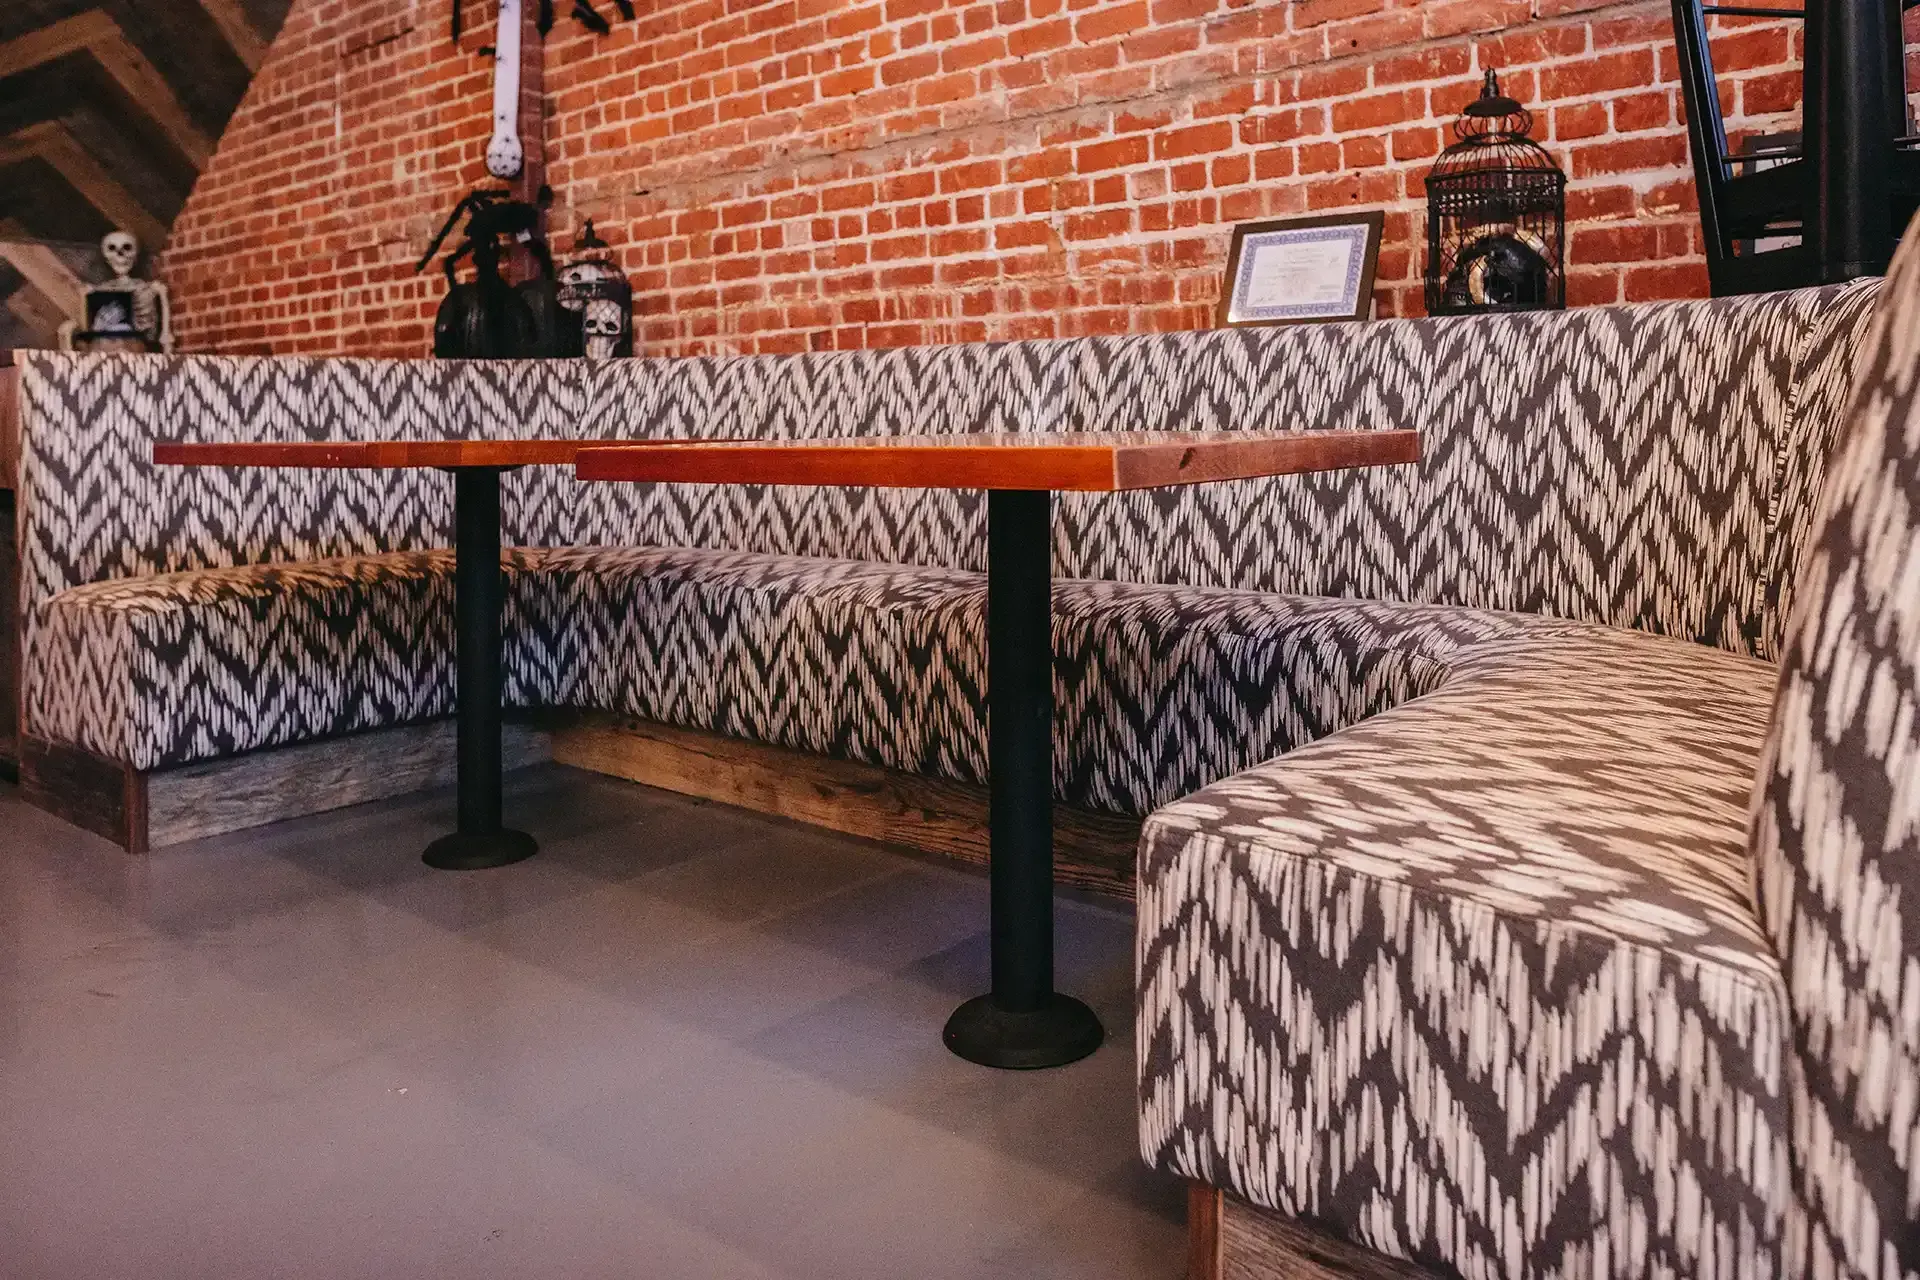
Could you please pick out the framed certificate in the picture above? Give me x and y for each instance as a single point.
(1302, 270)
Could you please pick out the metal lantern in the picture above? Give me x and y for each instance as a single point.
(1496, 215)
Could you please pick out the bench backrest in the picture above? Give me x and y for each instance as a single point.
(1836, 831)
(1641, 465)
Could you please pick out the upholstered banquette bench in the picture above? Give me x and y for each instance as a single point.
(1600, 959)
(1638, 467)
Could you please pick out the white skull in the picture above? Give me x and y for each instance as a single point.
(571, 292)
(601, 328)
(121, 251)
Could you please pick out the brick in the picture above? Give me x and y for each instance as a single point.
(1203, 139)
(1763, 95)
(1629, 155)
(1638, 112)
(1444, 63)
(1109, 21)
(1668, 280)
(826, 174)
(1379, 110)
(1629, 69)
(1114, 154)
(1581, 120)
(1312, 13)
(1639, 243)
(1453, 17)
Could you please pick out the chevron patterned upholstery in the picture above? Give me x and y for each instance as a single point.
(1620, 465)
(1836, 830)
(886, 664)
(1602, 957)
(1477, 982)
(1469, 973)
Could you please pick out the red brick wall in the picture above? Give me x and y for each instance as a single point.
(815, 173)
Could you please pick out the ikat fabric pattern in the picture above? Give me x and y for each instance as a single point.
(1610, 464)
(211, 662)
(1836, 829)
(1159, 690)
(1820, 395)
(879, 663)
(1478, 982)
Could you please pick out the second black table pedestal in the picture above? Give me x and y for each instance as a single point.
(1022, 1022)
(480, 839)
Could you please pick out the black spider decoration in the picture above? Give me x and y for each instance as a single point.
(489, 318)
(583, 12)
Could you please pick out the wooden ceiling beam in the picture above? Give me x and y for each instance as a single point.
(39, 312)
(239, 30)
(50, 142)
(96, 33)
(44, 270)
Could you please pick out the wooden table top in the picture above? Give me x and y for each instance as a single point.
(1099, 462)
(383, 454)
(1092, 461)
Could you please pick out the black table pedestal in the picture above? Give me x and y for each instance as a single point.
(1023, 1022)
(480, 840)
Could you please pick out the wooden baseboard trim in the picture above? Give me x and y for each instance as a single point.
(1252, 1243)
(1091, 850)
(142, 811)
(1203, 1231)
(139, 811)
(252, 790)
(93, 793)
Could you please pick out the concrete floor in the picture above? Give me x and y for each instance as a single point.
(685, 1041)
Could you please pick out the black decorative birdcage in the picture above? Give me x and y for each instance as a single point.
(1496, 215)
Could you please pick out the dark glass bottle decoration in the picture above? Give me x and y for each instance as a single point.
(1496, 215)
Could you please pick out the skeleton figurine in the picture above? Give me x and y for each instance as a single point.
(601, 329)
(125, 311)
(592, 287)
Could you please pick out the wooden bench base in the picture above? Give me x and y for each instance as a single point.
(141, 811)
(1229, 1239)
(1091, 850)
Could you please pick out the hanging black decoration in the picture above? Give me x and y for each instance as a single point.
(489, 319)
(589, 17)
(1496, 215)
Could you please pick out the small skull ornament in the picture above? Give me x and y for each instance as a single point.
(579, 281)
(121, 251)
(600, 327)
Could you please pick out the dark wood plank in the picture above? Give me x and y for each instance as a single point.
(262, 787)
(1203, 1231)
(9, 573)
(1086, 462)
(377, 454)
(1259, 1244)
(93, 793)
(9, 639)
(1091, 850)
(9, 427)
(8, 570)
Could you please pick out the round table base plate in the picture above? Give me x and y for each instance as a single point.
(463, 851)
(1060, 1031)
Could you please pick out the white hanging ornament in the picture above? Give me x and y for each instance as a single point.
(504, 153)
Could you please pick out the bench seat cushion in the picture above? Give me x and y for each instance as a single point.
(1160, 690)
(1479, 982)
(169, 668)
